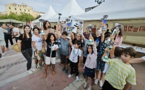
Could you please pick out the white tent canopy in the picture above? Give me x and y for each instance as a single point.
(50, 13)
(71, 8)
(116, 9)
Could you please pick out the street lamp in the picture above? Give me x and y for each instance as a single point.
(59, 17)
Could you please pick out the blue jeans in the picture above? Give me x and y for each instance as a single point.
(28, 55)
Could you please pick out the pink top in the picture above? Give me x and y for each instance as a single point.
(91, 59)
(118, 41)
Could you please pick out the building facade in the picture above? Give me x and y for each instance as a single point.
(21, 8)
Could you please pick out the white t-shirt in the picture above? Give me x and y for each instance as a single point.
(38, 41)
(74, 54)
(16, 30)
(143, 58)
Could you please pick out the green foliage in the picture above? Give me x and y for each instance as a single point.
(22, 17)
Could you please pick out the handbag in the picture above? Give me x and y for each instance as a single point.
(16, 48)
(43, 50)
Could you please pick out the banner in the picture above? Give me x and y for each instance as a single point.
(135, 29)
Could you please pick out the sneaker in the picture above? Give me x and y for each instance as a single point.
(77, 78)
(29, 72)
(66, 71)
(100, 83)
(33, 70)
(69, 76)
(96, 81)
(89, 88)
(3, 54)
(63, 69)
(85, 84)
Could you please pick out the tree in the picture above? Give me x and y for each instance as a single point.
(22, 17)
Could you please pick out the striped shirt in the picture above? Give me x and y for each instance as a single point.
(120, 73)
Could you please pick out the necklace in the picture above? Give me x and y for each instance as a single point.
(75, 55)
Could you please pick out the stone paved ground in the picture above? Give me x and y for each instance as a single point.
(13, 76)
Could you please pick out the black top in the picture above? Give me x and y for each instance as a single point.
(26, 42)
(107, 32)
(8, 34)
(48, 52)
(98, 42)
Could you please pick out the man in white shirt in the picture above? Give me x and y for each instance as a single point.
(2, 40)
(16, 33)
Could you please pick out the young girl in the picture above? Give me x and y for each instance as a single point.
(100, 63)
(37, 46)
(25, 44)
(50, 53)
(75, 53)
(90, 64)
(119, 38)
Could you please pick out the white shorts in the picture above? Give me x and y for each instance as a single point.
(2, 43)
(49, 60)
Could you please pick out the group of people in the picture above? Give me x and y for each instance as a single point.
(100, 54)
(7, 34)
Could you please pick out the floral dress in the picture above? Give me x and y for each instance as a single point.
(100, 63)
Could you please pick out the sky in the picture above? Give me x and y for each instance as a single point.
(42, 5)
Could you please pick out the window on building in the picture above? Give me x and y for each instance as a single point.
(24, 10)
(15, 9)
(20, 9)
(28, 10)
(9, 7)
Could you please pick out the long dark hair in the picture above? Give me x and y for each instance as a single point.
(48, 38)
(120, 33)
(91, 48)
(44, 25)
(25, 36)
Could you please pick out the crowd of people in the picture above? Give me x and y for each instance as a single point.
(99, 52)
(7, 34)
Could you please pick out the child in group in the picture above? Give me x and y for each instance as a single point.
(100, 63)
(50, 57)
(64, 51)
(74, 61)
(90, 64)
(121, 75)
